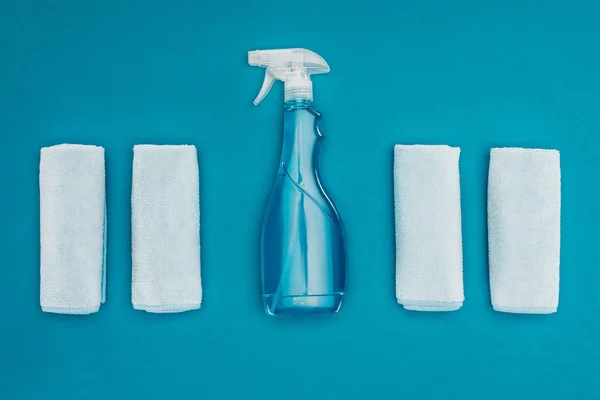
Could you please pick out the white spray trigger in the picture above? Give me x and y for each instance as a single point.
(292, 66)
(266, 86)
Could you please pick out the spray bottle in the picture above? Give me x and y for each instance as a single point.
(303, 251)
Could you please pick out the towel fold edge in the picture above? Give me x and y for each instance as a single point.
(167, 308)
(426, 305)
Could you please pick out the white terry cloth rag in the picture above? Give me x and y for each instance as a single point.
(72, 229)
(429, 271)
(524, 229)
(165, 222)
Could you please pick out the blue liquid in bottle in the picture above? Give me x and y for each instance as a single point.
(303, 252)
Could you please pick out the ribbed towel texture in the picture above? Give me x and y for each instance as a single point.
(72, 229)
(429, 272)
(524, 229)
(165, 219)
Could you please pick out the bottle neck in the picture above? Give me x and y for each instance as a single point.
(294, 104)
(300, 140)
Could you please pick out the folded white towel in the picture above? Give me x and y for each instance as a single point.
(524, 229)
(428, 228)
(72, 229)
(165, 219)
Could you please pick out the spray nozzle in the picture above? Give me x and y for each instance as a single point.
(292, 66)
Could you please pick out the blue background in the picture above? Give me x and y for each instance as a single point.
(473, 74)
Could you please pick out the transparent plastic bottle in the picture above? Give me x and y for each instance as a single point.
(303, 249)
